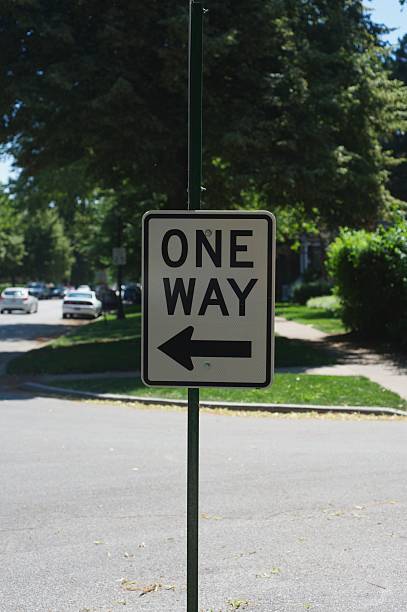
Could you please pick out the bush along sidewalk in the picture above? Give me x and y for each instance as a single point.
(370, 274)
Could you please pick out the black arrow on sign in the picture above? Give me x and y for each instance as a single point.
(181, 348)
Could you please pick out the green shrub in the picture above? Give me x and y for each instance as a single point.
(369, 270)
(330, 303)
(303, 291)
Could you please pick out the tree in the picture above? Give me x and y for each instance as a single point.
(48, 251)
(297, 100)
(11, 240)
(398, 143)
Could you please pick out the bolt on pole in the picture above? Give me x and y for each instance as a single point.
(194, 203)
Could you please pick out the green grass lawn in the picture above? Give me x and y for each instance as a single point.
(103, 345)
(111, 346)
(321, 319)
(104, 330)
(287, 388)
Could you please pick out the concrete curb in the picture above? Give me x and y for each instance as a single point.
(375, 410)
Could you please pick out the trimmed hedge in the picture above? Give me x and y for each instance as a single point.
(305, 290)
(369, 270)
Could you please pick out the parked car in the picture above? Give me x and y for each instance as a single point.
(132, 294)
(18, 298)
(84, 288)
(81, 304)
(38, 290)
(59, 291)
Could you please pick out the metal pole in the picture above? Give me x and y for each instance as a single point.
(195, 106)
(194, 203)
(193, 500)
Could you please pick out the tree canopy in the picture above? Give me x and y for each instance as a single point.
(297, 102)
(12, 249)
(398, 142)
(48, 250)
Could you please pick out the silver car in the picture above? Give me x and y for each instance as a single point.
(18, 298)
(81, 304)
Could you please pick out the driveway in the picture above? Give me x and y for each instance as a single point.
(20, 332)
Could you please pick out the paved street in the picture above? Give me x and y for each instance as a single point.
(296, 514)
(20, 332)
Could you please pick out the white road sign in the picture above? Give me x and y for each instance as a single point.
(119, 256)
(208, 298)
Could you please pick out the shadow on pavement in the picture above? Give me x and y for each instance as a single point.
(12, 396)
(19, 332)
(356, 350)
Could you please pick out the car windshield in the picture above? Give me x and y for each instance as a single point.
(34, 285)
(76, 294)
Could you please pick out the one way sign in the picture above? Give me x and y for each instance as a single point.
(208, 298)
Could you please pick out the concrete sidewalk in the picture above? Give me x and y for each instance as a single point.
(298, 331)
(389, 374)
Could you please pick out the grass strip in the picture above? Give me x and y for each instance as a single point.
(287, 388)
(111, 346)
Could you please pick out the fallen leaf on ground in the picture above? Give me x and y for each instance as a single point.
(131, 585)
(376, 585)
(274, 571)
(243, 554)
(151, 588)
(237, 604)
(210, 517)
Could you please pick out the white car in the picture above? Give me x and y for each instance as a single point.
(81, 304)
(18, 298)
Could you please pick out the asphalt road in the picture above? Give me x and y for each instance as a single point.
(21, 332)
(296, 514)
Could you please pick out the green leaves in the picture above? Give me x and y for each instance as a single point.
(297, 102)
(12, 249)
(48, 250)
(370, 274)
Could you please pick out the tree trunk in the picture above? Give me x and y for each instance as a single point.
(120, 309)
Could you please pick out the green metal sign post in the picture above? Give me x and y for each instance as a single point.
(242, 254)
(194, 203)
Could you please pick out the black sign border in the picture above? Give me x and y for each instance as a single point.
(270, 295)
